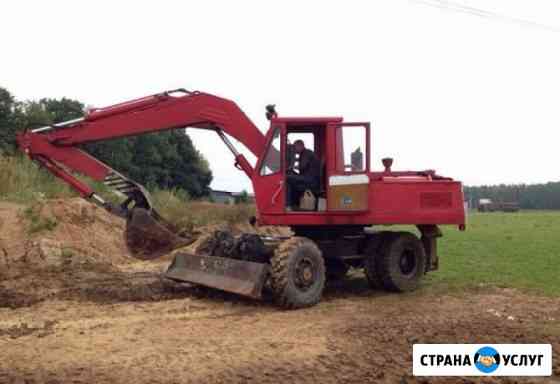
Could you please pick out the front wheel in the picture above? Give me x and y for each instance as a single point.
(297, 275)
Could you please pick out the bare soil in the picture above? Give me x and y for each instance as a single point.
(116, 321)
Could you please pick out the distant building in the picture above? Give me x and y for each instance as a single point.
(222, 197)
(487, 205)
(226, 197)
(249, 197)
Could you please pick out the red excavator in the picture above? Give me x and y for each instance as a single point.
(333, 227)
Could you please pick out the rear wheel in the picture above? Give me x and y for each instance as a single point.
(402, 262)
(297, 275)
(373, 252)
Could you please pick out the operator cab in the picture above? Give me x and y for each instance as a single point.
(340, 181)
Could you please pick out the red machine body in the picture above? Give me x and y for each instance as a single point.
(331, 224)
(394, 197)
(411, 197)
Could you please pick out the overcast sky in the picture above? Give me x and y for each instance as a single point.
(473, 95)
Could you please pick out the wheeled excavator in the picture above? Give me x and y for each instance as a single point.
(348, 225)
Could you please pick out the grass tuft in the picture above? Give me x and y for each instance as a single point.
(187, 214)
(23, 181)
(36, 221)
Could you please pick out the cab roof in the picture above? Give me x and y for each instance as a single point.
(307, 120)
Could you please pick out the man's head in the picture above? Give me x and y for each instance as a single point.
(299, 146)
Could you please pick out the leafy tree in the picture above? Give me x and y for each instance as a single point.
(242, 198)
(165, 160)
(7, 129)
(63, 109)
(16, 116)
(33, 114)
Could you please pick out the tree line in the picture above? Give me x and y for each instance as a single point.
(529, 196)
(157, 160)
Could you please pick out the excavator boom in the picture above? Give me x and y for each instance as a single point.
(56, 147)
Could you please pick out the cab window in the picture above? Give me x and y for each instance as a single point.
(271, 163)
(351, 149)
(292, 158)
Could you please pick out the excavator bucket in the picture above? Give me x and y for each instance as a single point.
(148, 236)
(242, 277)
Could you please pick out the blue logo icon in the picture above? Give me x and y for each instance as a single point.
(487, 359)
(346, 200)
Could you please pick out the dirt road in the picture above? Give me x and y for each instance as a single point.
(124, 326)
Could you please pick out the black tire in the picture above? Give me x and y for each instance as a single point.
(402, 262)
(297, 275)
(336, 270)
(372, 255)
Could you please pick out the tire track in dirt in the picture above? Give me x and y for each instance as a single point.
(116, 321)
(355, 339)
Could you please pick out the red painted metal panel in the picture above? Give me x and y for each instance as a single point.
(270, 189)
(161, 112)
(38, 145)
(389, 203)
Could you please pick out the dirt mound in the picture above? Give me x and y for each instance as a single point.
(12, 234)
(62, 232)
(44, 246)
(64, 247)
(58, 233)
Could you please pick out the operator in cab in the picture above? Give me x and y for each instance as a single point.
(304, 174)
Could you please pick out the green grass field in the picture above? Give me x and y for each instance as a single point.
(515, 250)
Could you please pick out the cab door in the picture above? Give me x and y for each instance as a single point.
(268, 179)
(349, 166)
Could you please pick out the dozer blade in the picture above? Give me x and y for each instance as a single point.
(148, 236)
(242, 277)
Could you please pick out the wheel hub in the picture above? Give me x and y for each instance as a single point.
(407, 263)
(305, 273)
